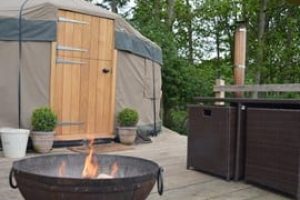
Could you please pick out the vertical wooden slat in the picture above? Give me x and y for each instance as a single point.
(85, 76)
(84, 95)
(54, 85)
(53, 74)
(86, 36)
(75, 97)
(110, 39)
(102, 39)
(66, 96)
(99, 98)
(94, 38)
(58, 95)
(113, 92)
(69, 35)
(61, 34)
(59, 74)
(106, 106)
(77, 38)
(92, 96)
(106, 39)
(103, 97)
(96, 47)
(75, 83)
(67, 75)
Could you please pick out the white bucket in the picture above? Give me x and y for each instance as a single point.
(14, 142)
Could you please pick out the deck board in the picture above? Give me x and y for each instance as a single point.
(169, 150)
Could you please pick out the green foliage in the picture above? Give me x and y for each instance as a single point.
(178, 121)
(183, 82)
(43, 119)
(128, 117)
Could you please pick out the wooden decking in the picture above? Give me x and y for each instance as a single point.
(169, 150)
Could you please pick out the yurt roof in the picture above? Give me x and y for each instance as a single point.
(12, 7)
(46, 10)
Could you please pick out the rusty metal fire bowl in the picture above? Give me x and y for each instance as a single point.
(40, 178)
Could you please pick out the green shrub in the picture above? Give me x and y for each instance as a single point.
(128, 117)
(178, 121)
(43, 119)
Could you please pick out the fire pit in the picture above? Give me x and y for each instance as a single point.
(63, 177)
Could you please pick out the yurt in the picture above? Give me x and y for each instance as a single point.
(83, 61)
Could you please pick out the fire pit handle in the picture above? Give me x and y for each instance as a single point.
(160, 181)
(11, 182)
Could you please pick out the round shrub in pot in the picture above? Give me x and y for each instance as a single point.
(127, 120)
(43, 122)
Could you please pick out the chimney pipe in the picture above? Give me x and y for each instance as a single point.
(240, 40)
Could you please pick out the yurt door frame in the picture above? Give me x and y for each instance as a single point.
(83, 76)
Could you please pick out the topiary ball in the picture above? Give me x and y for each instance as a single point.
(43, 119)
(128, 117)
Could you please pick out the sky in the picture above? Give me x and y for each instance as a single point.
(125, 8)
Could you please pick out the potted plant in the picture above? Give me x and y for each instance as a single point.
(43, 122)
(127, 120)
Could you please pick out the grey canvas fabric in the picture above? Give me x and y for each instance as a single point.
(133, 86)
(37, 30)
(135, 45)
(152, 81)
(8, 84)
(35, 78)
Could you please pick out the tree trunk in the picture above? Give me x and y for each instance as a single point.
(289, 62)
(190, 34)
(114, 6)
(218, 70)
(261, 32)
(171, 14)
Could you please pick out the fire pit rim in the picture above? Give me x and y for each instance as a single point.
(53, 187)
(16, 169)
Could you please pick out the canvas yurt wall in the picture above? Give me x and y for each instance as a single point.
(83, 61)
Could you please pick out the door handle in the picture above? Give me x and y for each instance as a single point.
(105, 70)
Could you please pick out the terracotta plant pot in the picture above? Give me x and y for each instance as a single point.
(127, 135)
(42, 141)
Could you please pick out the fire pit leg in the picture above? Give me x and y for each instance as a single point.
(160, 181)
(11, 182)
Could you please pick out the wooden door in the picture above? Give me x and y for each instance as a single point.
(82, 79)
